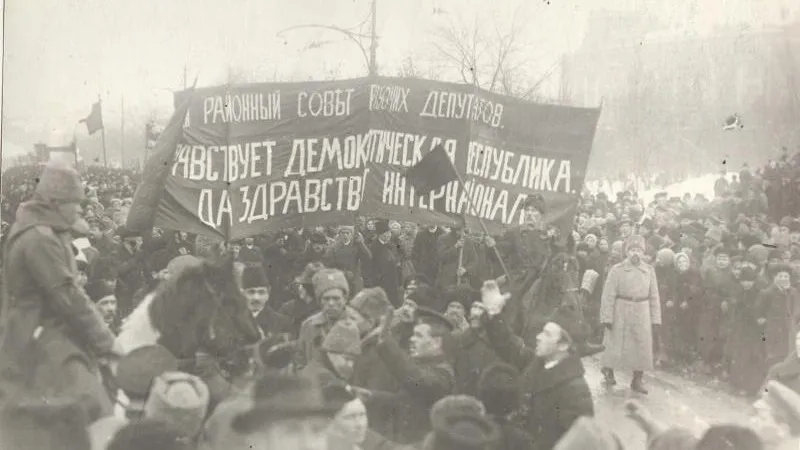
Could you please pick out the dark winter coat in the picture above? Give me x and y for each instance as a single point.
(423, 381)
(552, 398)
(349, 259)
(745, 348)
(448, 256)
(251, 257)
(512, 437)
(424, 256)
(372, 373)
(526, 251)
(39, 274)
(472, 353)
(385, 270)
(272, 322)
(298, 310)
(130, 278)
(713, 319)
(782, 310)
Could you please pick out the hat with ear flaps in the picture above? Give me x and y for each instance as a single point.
(537, 202)
(635, 240)
(327, 279)
(60, 182)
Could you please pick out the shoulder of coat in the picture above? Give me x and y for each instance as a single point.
(46, 231)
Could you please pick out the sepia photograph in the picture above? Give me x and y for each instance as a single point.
(400, 225)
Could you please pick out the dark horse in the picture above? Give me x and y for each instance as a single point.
(529, 309)
(201, 317)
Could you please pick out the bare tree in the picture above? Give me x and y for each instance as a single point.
(489, 57)
(410, 68)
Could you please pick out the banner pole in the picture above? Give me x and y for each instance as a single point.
(482, 223)
(469, 197)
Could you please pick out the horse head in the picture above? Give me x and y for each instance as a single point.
(560, 279)
(202, 308)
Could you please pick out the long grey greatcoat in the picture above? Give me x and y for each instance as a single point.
(630, 303)
(51, 331)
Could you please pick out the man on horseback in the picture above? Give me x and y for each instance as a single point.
(51, 331)
(526, 248)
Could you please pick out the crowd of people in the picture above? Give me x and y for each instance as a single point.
(381, 334)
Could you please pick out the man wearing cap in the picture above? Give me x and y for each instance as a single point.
(303, 304)
(630, 309)
(256, 289)
(526, 248)
(251, 255)
(423, 374)
(348, 254)
(316, 248)
(289, 413)
(105, 301)
(51, 331)
(457, 255)
(337, 356)
(332, 292)
(551, 382)
(781, 305)
(130, 270)
(424, 255)
(716, 308)
(385, 265)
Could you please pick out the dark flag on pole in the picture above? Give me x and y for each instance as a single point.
(433, 171)
(146, 200)
(94, 121)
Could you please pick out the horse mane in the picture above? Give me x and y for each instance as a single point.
(184, 307)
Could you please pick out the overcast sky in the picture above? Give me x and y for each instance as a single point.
(60, 54)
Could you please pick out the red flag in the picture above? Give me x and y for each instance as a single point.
(433, 171)
(94, 121)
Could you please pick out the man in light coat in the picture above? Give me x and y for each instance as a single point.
(630, 311)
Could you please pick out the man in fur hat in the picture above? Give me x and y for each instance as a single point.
(630, 310)
(332, 292)
(385, 267)
(51, 330)
(105, 301)
(716, 308)
(348, 254)
(337, 356)
(257, 289)
(526, 248)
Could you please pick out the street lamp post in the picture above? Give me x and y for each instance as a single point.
(370, 55)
